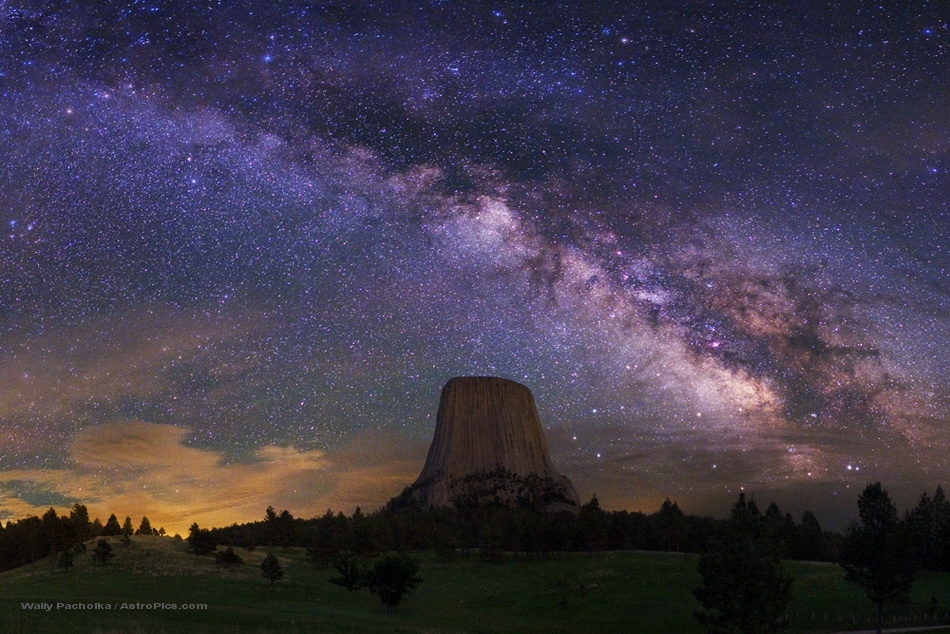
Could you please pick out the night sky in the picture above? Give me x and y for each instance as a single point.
(243, 245)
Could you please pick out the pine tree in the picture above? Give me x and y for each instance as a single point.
(200, 540)
(271, 568)
(392, 578)
(127, 526)
(877, 553)
(929, 524)
(744, 589)
(65, 560)
(79, 523)
(352, 572)
(102, 552)
(112, 527)
(227, 558)
(145, 527)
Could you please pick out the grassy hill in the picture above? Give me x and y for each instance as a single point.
(605, 592)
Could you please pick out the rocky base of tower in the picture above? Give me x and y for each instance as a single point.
(496, 488)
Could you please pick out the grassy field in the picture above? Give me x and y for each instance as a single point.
(606, 592)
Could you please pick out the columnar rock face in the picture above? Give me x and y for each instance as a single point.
(489, 448)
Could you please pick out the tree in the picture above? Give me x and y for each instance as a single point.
(670, 523)
(321, 554)
(808, 538)
(591, 526)
(112, 527)
(200, 540)
(271, 568)
(392, 578)
(54, 529)
(65, 560)
(744, 589)
(227, 558)
(102, 553)
(877, 553)
(929, 524)
(145, 527)
(79, 523)
(127, 526)
(352, 573)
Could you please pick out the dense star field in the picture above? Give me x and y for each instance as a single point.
(244, 244)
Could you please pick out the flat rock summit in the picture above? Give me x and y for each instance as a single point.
(489, 448)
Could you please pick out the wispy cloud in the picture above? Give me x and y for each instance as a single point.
(136, 468)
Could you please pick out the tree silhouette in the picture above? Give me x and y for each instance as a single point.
(808, 538)
(79, 523)
(744, 588)
(271, 568)
(145, 527)
(112, 526)
(65, 560)
(392, 578)
(127, 526)
(352, 573)
(55, 531)
(877, 553)
(102, 553)
(929, 524)
(201, 541)
(670, 523)
(591, 526)
(227, 558)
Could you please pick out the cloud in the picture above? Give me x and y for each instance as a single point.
(137, 468)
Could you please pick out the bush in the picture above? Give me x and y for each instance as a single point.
(227, 558)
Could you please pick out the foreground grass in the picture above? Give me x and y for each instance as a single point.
(606, 592)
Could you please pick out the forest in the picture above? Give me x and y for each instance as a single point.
(488, 531)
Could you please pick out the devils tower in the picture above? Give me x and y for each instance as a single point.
(489, 448)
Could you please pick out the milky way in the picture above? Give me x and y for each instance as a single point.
(244, 245)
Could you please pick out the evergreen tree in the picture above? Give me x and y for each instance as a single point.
(145, 527)
(929, 524)
(55, 531)
(227, 558)
(102, 552)
(670, 525)
(201, 541)
(808, 539)
(744, 589)
(285, 529)
(127, 526)
(877, 553)
(79, 524)
(392, 578)
(591, 526)
(112, 527)
(65, 560)
(271, 568)
(352, 573)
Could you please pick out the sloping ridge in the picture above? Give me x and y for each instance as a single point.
(489, 447)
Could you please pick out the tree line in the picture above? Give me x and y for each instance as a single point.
(492, 530)
(488, 530)
(33, 538)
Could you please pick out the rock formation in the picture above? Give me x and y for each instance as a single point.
(489, 448)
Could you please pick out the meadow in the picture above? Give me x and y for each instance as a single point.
(601, 592)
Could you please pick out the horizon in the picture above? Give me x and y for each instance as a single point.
(245, 246)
